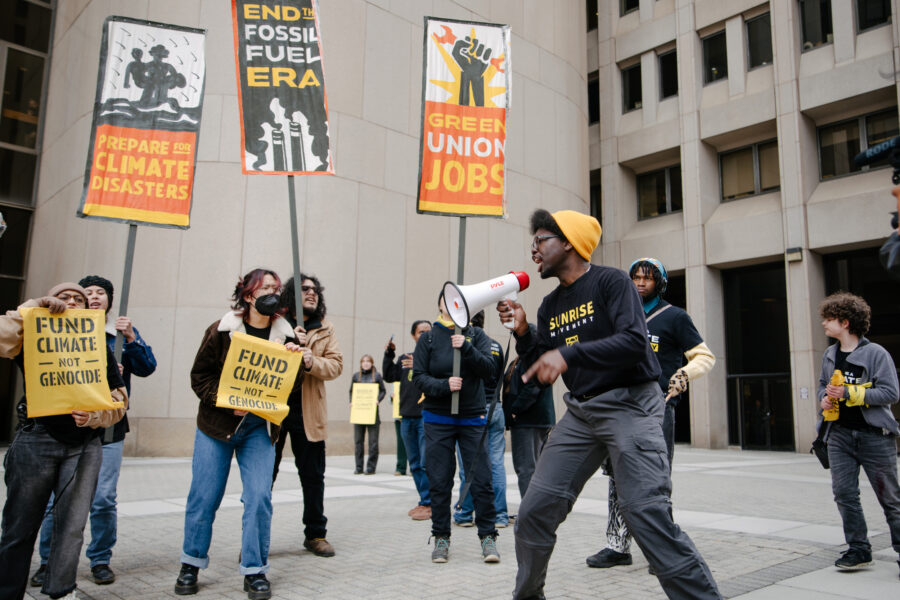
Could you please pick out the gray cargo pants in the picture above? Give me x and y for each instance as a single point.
(624, 424)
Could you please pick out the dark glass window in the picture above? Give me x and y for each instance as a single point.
(22, 85)
(872, 13)
(659, 192)
(627, 6)
(596, 196)
(16, 177)
(594, 97)
(668, 74)
(715, 58)
(815, 23)
(759, 41)
(750, 170)
(25, 23)
(12, 259)
(840, 142)
(631, 88)
(592, 17)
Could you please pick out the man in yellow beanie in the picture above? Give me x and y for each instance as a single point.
(591, 331)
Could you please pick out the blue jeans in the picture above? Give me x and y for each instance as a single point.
(848, 450)
(103, 511)
(36, 466)
(496, 448)
(211, 464)
(413, 431)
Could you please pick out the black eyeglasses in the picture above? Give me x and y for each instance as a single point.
(538, 239)
(309, 288)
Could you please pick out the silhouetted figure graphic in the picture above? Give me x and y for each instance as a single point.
(473, 59)
(155, 77)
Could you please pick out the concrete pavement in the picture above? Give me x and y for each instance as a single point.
(765, 522)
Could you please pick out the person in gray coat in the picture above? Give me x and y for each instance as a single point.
(862, 433)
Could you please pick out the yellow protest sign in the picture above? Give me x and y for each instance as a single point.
(396, 400)
(65, 361)
(258, 377)
(364, 403)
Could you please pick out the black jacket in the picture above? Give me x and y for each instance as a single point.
(409, 392)
(433, 367)
(531, 404)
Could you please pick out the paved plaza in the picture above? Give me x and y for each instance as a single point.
(764, 521)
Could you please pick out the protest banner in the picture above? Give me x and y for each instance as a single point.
(143, 150)
(396, 400)
(65, 361)
(364, 403)
(281, 87)
(258, 377)
(465, 96)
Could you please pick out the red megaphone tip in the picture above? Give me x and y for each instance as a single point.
(523, 279)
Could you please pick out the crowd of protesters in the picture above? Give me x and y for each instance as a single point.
(625, 359)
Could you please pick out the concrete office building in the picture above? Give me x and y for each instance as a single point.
(381, 263)
(716, 135)
(721, 142)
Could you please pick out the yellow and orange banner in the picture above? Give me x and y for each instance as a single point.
(258, 377)
(143, 151)
(65, 361)
(465, 97)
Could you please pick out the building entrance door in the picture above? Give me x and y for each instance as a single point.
(760, 410)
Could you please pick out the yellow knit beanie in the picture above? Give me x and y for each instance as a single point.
(582, 231)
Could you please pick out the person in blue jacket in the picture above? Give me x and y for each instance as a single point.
(137, 359)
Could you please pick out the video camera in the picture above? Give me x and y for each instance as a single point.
(889, 254)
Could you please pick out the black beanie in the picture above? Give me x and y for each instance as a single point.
(106, 284)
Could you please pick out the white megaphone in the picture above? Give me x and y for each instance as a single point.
(463, 301)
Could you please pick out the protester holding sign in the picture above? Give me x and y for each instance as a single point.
(137, 359)
(367, 374)
(225, 432)
(308, 418)
(58, 452)
(433, 374)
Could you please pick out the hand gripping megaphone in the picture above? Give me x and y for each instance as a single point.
(463, 301)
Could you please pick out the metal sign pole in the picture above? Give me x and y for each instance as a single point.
(295, 251)
(123, 306)
(460, 273)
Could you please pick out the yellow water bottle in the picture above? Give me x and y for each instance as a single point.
(831, 414)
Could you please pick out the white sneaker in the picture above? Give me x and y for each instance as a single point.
(73, 595)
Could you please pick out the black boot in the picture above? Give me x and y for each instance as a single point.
(186, 583)
(257, 587)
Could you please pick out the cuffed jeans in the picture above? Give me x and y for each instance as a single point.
(413, 431)
(103, 511)
(848, 450)
(440, 441)
(625, 425)
(497, 449)
(36, 466)
(359, 438)
(526, 444)
(209, 474)
(309, 457)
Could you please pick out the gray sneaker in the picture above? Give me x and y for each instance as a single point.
(441, 552)
(489, 549)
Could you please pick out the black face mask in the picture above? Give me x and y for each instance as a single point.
(268, 305)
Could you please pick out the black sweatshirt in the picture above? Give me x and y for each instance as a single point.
(598, 325)
(433, 367)
(409, 393)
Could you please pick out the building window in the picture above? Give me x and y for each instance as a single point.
(840, 142)
(668, 74)
(593, 97)
(759, 41)
(659, 192)
(596, 196)
(627, 6)
(631, 88)
(872, 13)
(592, 14)
(815, 23)
(715, 58)
(750, 170)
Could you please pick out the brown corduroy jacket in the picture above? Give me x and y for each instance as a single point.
(328, 362)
